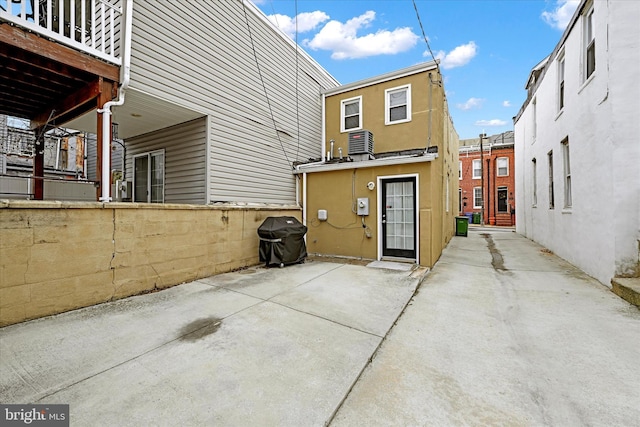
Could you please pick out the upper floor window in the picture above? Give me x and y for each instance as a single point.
(351, 114)
(561, 82)
(589, 51)
(477, 169)
(459, 170)
(503, 166)
(534, 113)
(397, 105)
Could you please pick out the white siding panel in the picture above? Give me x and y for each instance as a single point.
(206, 63)
(185, 157)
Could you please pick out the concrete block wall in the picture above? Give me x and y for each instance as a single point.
(57, 256)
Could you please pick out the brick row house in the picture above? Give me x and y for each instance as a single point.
(487, 179)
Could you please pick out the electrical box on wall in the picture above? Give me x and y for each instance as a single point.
(322, 214)
(363, 206)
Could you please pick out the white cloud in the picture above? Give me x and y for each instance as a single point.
(559, 17)
(307, 21)
(494, 122)
(506, 103)
(343, 41)
(471, 103)
(458, 57)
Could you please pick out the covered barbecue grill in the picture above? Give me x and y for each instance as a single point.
(282, 241)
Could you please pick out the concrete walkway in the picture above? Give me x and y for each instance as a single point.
(502, 332)
(257, 347)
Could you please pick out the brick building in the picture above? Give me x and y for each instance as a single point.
(493, 169)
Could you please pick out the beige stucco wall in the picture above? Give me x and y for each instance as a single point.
(56, 257)
(402, 136)
(343, 233)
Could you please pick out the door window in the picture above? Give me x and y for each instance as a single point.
(149, 177)
(399, 217)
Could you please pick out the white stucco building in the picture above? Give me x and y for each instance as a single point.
(577, 142)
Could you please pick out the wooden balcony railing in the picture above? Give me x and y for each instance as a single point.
(90, 26)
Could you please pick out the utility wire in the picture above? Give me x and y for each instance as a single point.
(425, 36)
(297, 101)
(264, 87)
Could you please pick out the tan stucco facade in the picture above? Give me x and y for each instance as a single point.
(344, 233)
(60, 256)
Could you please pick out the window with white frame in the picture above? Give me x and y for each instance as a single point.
(551, 195)
(567, 173)
(397, 105)
(561, 82)
(477, 169)
(459, 170)
(477, 197)
(503, 166)
(351, 114)
(535, 118)
(589, 50)
(148, 177)
(534, 177)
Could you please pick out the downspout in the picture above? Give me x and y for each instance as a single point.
(430, 110)
(106, 108)
(324, 131)
(304, 199)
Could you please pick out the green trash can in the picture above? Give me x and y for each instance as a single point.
(462, 226)
(476, 217)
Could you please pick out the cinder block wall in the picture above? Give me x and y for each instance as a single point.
(56, 257)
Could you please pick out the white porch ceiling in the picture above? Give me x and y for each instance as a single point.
(140, 114)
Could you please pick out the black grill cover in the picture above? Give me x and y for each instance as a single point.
(282, 240)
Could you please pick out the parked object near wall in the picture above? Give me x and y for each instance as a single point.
(59, 256)
(282, 241)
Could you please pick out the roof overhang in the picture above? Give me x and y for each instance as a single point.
(388, 161)
(404, 72)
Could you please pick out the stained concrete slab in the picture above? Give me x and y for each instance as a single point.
(253, 347)
(537, 342)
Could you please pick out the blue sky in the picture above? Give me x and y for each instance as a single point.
(487, 47)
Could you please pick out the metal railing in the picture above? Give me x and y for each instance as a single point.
(91, 26)
(22, 187)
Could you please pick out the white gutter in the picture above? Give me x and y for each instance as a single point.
(399, 160)
(105, 182)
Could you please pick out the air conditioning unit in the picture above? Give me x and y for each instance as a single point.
(360, 142)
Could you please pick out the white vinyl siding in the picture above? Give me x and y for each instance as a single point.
(206, 63)
(184, 148)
